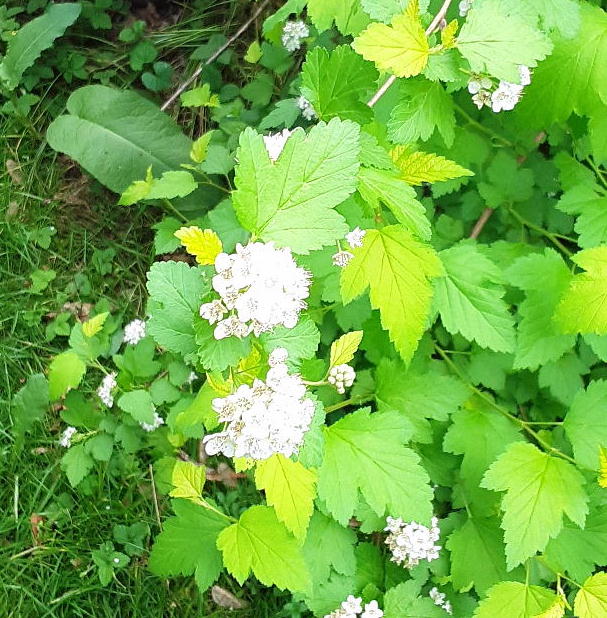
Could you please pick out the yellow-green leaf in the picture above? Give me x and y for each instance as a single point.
(94, 325)
(204, 245)
(556, 610)
(137, 190)
(188, 480)
(447, 35)
(583, 308)
(591, 600)
(290, 489)
(603, 467)
(65, 372)
(400, 48)
(253, 53)
(344, 348)
(198, 153)
(418, 167)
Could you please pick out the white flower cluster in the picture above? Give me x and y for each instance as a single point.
(158, 420)
(341, 377)
(352, 607)
(260, 287)
(293, 33)
(354, 239)
(464, 6)
(412, 542)
(105, 389)
(275, 142)
(307, 111)
(440, 599)
(504, 97)
(66, 437)
(134, 332)
(265, 418)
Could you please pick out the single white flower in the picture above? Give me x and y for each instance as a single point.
(355, 237)
(275, 142)
(157, 422)
(134, 332)
(372, 610)
(352, 604)
(505, 97)
(293, 34)
(342, 258)
(66, 437)
(436, 596)
(213, 311)
(277, 357)
(482, 98)
(192, 377)
(464, 6)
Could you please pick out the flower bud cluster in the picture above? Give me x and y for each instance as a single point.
(260, 286)
(157, 422)
(352, 607)
(440, 599)
(464, 6)
(104, 391)
(275, 142)
(268, 417)
(504, 97)
(354, 239)
(66, 437)
(293, 33)
(134, 332)
(412, 542)
(341, 377)
(307, 111)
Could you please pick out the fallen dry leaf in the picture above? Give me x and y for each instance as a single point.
(224, 598)
(12, 167)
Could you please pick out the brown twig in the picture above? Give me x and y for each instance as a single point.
(155, 496)
(434, 25)
(214, 57)
(480, 224)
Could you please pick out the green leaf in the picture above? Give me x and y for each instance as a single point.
(187, 544)
(477, 555)
(497, 43)
(572, 78)
(132, 537)
(404, 601)
(139, 405)
(385, 10)
(545, 278)
(33, 38)
(188, 481)
(586, 424)
(423, 107)
(591, 224)
(171, 185)
(560, 15)
(200, 147)
(469, 299)
(381, 186)
(398, 270)
(290, 489)
(258, 542)
(419, 167)
(344, 348)
(576, 551)
(400, 48)
(218, 354)
(365, 452)
(418, 397)
(176, 291)
(41, 280)
(328, 547)
(506, 181)
(515, 600)
(200, 97)
(292, 201)
(65, 372)
(347, 14)
(540, 489)
(583, 307)
(117, 135)
(301, 341)
(198, 415)
(29, 404)
(563, 377)
(591, 599)
(76, 464)
(337, 83)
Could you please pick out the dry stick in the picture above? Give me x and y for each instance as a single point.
(214, 57)
(480, 224)
(438, 18)
(156, 509)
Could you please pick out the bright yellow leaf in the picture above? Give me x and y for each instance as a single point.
(94, 325)
(344, 348)
(418, 167)
(447, 35)
(204, 245)
(603, 466)
(401, 48)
